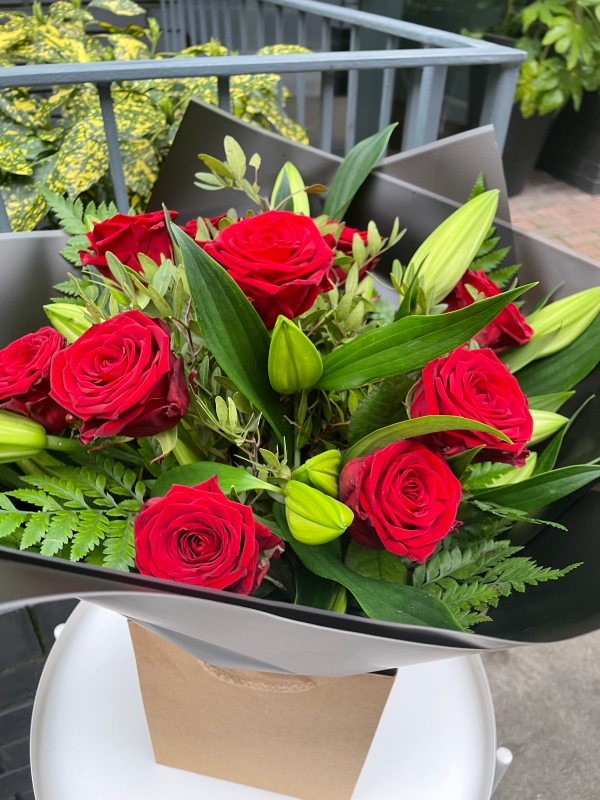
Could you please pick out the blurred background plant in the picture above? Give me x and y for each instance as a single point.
(56, 138)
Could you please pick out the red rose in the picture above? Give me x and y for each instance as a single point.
(191, 227)
(475, 384)
(126, 235)
(404, 499)
(25, 378)
(121, 377)
(278, 259)
(197, 535)
(344, 245)
(509, 329)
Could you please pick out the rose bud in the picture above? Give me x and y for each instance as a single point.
(25, 378)
(567, 318)
(125, 236)
(314, 517)
(404, 497)
(476, 385)
(545, 424)
(509, 329)
(322, 472)
(197, 535)
(121, 377)
(20, 437)
(294, 361)
(278, 259)
(68, 319)
(289, 186)
(447, 252)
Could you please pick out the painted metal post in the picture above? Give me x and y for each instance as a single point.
(114, 154)
(4, 220)
(424, 106)
(499, 97)
(352, 101)
(223, 92)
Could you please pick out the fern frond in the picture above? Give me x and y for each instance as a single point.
(492, 260)
(479, 187)
(488, 246)
(60, 530)
(502, 277)
(91, 530)
(9, 522)
(119, 547)
(36, 528)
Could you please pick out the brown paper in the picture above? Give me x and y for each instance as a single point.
(307, 737)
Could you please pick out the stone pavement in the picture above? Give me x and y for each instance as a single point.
(560, 212)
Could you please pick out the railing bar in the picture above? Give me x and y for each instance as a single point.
(223, 93)
(243, 27)
(172, 25)
(214, 20)
(301, 77)
(387, 88)
(352, 100)
(112, 141)
(325, 35)
(424, 107)
(190, 13)
(203, 21)
(327, 85)
(181, 26)
(497, 104)
(279, 36)
(228, 26)
(260, 24)
(5, 226)
(166, 45)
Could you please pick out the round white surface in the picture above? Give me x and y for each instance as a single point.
(89, 737)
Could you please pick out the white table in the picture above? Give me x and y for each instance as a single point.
(89, 737)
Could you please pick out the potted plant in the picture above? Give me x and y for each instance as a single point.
(562, 41)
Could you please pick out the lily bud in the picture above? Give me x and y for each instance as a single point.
(68, 319)
(568, 318)
(447, 253)
(20, 437)
(545, 424)
(322, 472)
(289, 186)
(314, 517)
(294, 361)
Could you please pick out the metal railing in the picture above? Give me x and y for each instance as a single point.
(244, 24)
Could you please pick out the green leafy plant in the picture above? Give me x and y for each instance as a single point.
(56, 138)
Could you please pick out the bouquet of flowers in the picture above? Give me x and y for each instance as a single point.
(243, 404)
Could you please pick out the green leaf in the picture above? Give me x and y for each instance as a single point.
(124, 8)
(548, 458)
(233, 331)
(35, 529)
(314, 591)
(119, 546)
(409, 343)
(61, 528)
(194, 474)
(390, 602)
(236, 158)
(420, 426)
(353, 171)
(549, 402)
(92, 528)
(541, 489)
(382, 407)
(564, 370)
(377, 564)
(459, 463)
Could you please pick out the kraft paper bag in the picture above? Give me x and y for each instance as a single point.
(305, 737)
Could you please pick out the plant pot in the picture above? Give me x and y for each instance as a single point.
(572, 150)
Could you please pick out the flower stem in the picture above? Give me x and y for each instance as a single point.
(66, 445)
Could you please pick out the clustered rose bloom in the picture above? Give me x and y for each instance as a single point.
(197, 535)
(25, 378)
(121, 377)
(475, 384)
(278, 259)
(509, 329)
(404, 498)
(344, 245)
(125, 236)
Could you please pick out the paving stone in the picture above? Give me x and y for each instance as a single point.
(15, 722)
(15, 783)
(18, 638)
(20, 682)
(48, 615)
(14, 756)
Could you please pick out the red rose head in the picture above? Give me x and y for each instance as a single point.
(197, 535)
(126, 235)
(121, 377)
(509, 329)
(475, 384)
(191, 227)
(337, 275)
(404, 499)
(25, 378)
(278, 259)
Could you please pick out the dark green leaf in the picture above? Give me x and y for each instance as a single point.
(459, 463)
(541, 489)
(377, 564)
(420, 426)
(549, 402)
(565, 369)
(391, 602)
(314, 591)
(353, 171)
(194, 474)
(382, 407)
(233, 331)
(547, 460)
(409, 343)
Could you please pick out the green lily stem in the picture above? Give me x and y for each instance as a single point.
(65, 445)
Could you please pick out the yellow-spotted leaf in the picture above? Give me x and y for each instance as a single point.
(123, 8)
(140, 165)
(83, 157)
